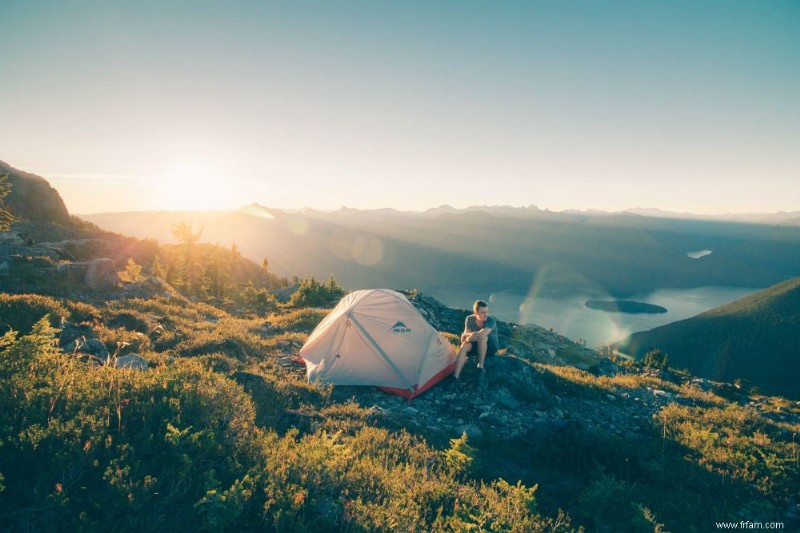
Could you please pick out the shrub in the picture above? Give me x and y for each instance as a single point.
(300, 320)
(96, 448)
(312, 293)
(259, 301)
(132, 272)
(737, 443)
(655, 359)
(21, 311)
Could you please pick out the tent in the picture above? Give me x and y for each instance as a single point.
(376, 337)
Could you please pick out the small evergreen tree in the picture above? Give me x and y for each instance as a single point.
(6, 218)
(132, 272)
(158, 269)
(312, 293)
(655, 359)
(191, 267)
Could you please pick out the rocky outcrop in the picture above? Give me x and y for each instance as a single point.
(81, 340)
(32, 198)
(530, 341)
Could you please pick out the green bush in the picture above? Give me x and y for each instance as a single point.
(99, 448)
(312, 293)
(21, 311)
(300, 320)
(655, 359)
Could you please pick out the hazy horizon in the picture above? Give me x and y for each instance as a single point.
(129, 106)
(590, 210)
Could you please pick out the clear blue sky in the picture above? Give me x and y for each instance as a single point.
(679, 105)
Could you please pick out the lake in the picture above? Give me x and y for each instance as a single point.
(570, 317)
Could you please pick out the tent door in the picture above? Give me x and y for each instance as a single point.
(380, 351)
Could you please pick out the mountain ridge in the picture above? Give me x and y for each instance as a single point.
(530, 211)
(722, 343)
(621, 254)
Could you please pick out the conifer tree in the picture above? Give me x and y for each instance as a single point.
(158, 269)
(6, 218)
(188, 239)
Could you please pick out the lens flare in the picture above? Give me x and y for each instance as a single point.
(257, 210)
(556, 300)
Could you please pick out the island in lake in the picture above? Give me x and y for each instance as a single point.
(624, 306)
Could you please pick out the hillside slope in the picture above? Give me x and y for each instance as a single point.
(32, 198)
(756, 338)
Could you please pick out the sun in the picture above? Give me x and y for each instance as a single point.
(195, 185)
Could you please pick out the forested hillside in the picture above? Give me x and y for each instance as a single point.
(755, 339)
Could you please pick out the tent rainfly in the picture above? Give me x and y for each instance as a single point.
(376, 337)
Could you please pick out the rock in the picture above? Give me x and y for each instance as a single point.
(79, 338)
(663, 394)
(505, 399)
(473, 432)
(605, 367)
(101, 275)
(744, 400)
(132, 361)
(96, 275)
(96, 348)
(70, 333)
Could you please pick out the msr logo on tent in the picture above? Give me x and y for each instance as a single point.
(399, 327)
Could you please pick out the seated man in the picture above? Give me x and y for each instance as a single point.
(480, 330)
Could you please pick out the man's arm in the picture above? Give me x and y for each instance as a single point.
(472, 336)
(483, 333)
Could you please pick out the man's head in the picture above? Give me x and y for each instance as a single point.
(481, 309)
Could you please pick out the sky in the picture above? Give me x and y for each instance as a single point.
(690, 106)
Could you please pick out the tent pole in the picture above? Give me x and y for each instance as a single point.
(380, 351)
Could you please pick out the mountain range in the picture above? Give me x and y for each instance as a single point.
(491, 249)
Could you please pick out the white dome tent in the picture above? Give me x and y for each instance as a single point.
(377, 338)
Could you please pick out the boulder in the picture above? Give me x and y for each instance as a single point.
(74, 335)
(96, 348)
(132, 361)
(96, 275)
(505, 399)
